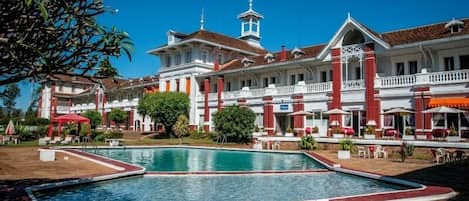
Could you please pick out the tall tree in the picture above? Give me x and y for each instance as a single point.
(164, 107)
(9, 96)
(42, 38)
(94, 116)
(118, 116)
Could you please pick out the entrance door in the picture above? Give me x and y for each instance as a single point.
(282, 122)
(356, 121)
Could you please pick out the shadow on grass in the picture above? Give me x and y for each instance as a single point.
(454, 175)
(14, 189)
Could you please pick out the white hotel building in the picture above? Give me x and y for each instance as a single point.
(359, 71)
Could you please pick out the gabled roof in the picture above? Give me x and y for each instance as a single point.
(422, 33)
(216, 39)
(309, 52)
(365, 30)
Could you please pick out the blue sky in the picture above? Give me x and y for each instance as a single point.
(291, 23)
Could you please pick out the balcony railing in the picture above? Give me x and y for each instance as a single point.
(353, 85)
(449, 77)
(397, 81)
(319, 87)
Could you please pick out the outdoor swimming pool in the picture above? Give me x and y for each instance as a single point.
(279, 187)
(193, 159)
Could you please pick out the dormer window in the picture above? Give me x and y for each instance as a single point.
(246, 62)
(297, 53)
(269, 58)
(454, 26)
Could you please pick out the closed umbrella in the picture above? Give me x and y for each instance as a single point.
(10, 130)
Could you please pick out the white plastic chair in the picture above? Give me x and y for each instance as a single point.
(67, 140)
(380, 151)
(44, 140)
(56, 140)
(362, 151)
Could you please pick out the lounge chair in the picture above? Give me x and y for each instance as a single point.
(56, 140)
(44, 140)
(67, 140)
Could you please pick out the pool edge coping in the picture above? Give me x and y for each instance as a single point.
(422, 192)
(124, 170)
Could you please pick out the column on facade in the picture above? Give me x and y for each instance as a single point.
(96, 99)
(103, 111)
(206, 109)
(220, 84)
(188, 86)
(422, 121)
(52, 102)
(298, 120)
(168, 85)
(372, 100)
(335, 102)
(269, 115)
(131, 119)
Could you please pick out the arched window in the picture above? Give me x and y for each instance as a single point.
(353, 37)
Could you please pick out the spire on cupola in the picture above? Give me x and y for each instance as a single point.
(202, 20)
(251, 26)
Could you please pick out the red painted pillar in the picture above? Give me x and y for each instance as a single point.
(372, 102)
(104, 117)
(298, 120)
(336, 84)
(422, 121)
(131, 119)
(206, 109)
(220, 86)
(268, 115)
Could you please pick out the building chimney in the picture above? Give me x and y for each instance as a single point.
(283, 54)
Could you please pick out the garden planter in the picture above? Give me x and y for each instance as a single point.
(453, 138)
(315, 135)
(408, 137)
(338, 135)
(343, 154)
(421, 137)
(289, 135)
(369, 136)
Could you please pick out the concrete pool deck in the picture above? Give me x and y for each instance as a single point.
(437, 193)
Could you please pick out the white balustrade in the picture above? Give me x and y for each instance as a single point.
(231, 95)
(449, 77)
(397, 81)
(319, 87)
(353, 85)
(259, 92)
(285, 90)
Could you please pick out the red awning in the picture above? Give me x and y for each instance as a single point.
(70, 117)
(457, 102)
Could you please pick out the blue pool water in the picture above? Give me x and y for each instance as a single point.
(227, 188)
(192, 159)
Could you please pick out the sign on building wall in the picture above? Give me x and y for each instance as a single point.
(283, 108)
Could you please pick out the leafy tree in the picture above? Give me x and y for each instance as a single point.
(237, 123)
(180, 128)
(118, 116)
(40, 39)
(30, 116)
(9, 96)
(164, 107)
(94, 116)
